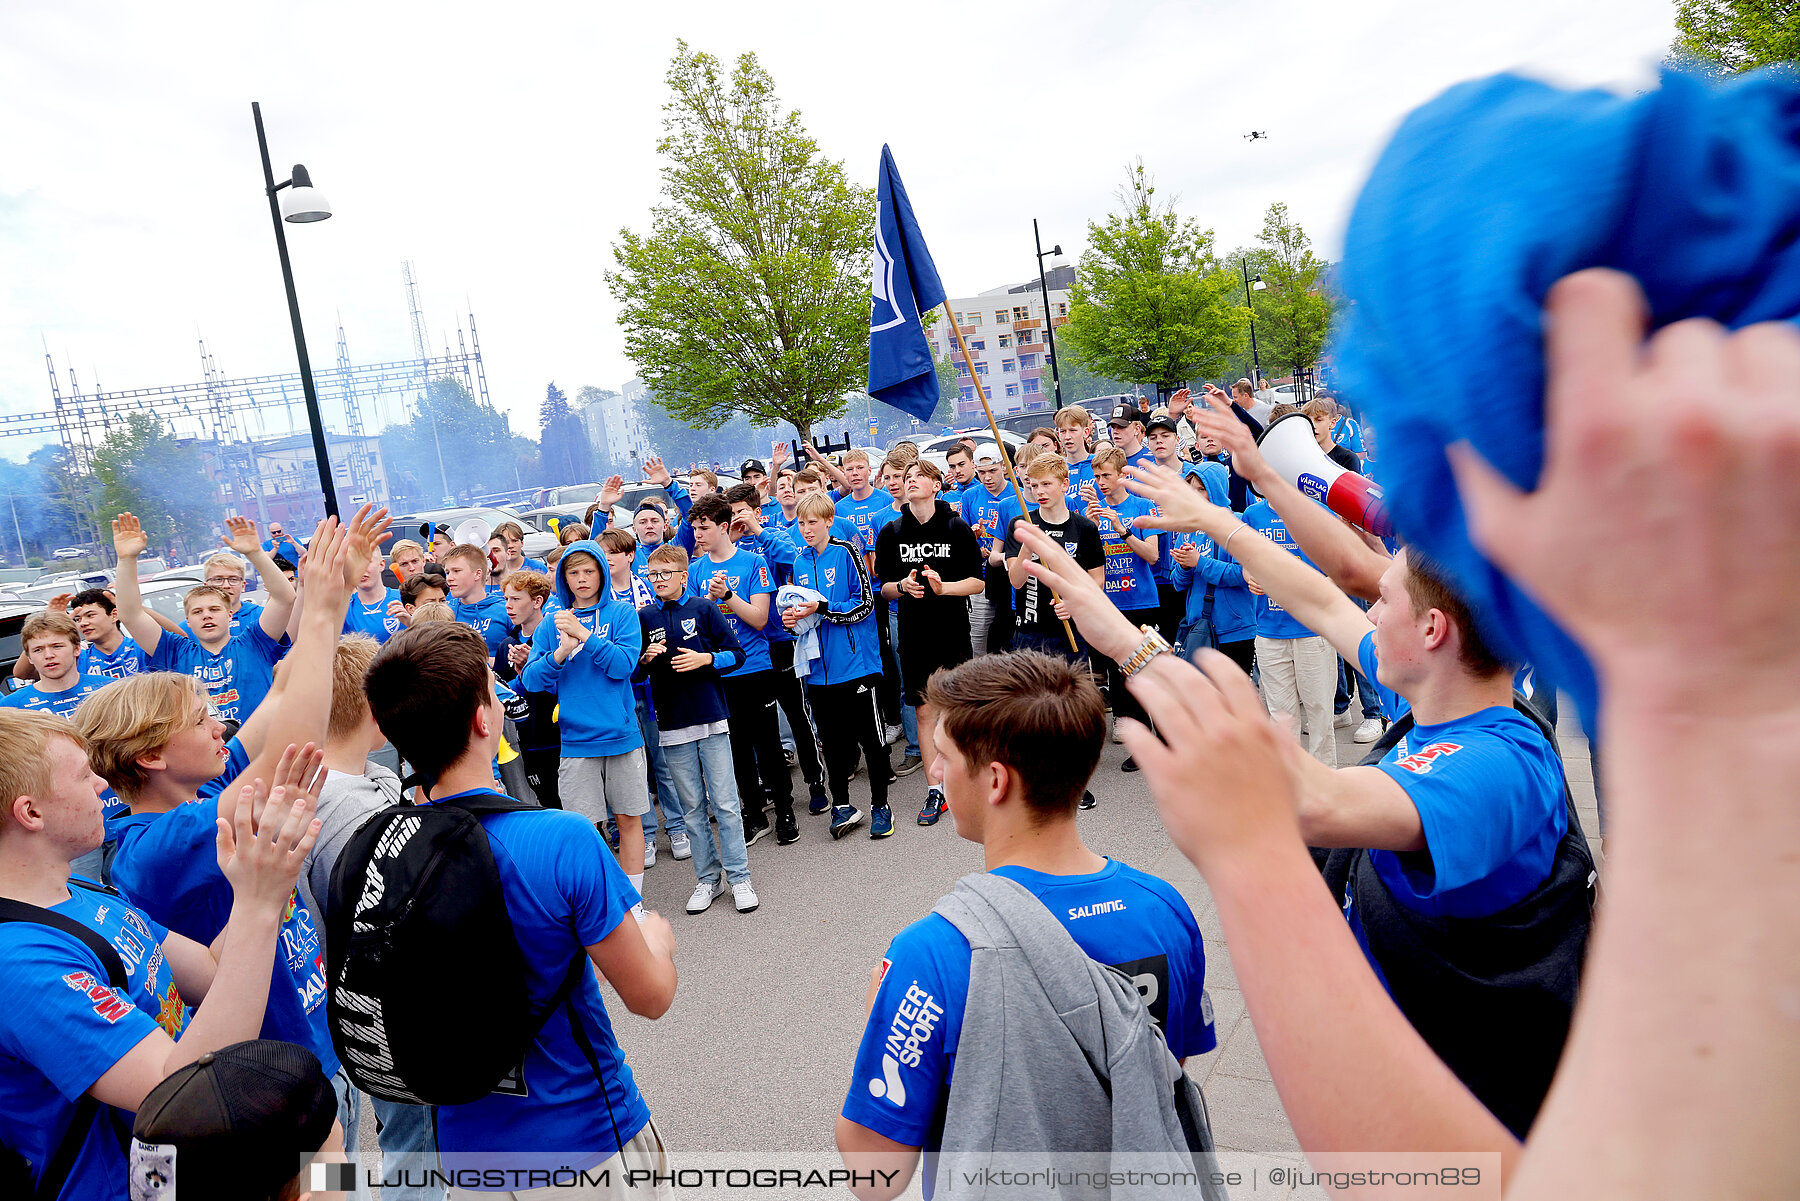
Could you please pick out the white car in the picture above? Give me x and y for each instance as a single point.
(68, 552)
(937, 450)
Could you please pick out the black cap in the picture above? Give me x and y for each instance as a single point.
(234, 1123)
(750, 465)
(1162, 421)
(429, 531)
(1125, 413)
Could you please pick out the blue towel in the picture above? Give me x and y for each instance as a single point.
(1485, 197)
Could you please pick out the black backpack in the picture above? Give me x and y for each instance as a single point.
(415, 899)
(1494, 995)
(15, 1173)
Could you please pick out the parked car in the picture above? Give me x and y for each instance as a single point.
(13, 616)
(165, 594)
(937, 450)
(69, 552)
(409, 526)
(565, 494)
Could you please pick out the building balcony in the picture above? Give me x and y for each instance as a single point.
(1032, 324)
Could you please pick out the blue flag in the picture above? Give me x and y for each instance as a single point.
(906, 284)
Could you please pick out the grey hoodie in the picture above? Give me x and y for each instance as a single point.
(1059, 1067)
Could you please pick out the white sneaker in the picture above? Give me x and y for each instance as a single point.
(744, 897)
(891, 734)
(678, 847)
(1118, 738)
(705, 893)
(649, 851)
(1370, 730)
(1344, 720)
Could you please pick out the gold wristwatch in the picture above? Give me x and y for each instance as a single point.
(1154, 644)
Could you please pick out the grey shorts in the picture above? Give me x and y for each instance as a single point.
(593, 786)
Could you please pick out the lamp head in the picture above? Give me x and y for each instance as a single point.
(1257, 285)
(301, 202)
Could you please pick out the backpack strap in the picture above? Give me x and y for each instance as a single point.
(62, 1161)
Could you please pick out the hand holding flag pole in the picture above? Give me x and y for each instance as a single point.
(904, 287)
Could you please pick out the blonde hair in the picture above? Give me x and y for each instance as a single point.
(49, 624)
(1024, 453)
(203, 591)
(404, 544)
(668, 552)
(902, 455)
(348, 667)
(815, 505)
(1048, 464)
(1074, 415)
(432, 611)
(230, 560)
(1109, 456)
(1319, 406)
(855, 456)
(25, 754)
(134, 717)
(475, 555)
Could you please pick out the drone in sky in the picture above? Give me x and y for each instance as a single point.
(1256, 134)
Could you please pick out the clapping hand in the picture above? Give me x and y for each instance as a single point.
(1081, 599)
(362, 536)
(690, 660)
(911, 586)
(1187, 554)
(518, 655)
(932, 578)
(717, 586)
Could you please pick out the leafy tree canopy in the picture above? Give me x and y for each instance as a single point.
(1738, 35)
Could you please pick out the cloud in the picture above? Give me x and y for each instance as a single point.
(501, 149)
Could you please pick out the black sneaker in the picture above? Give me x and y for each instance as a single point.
(820, 803)
(786, 829)
(754, 832)
(1130, 764)
(1087, 800)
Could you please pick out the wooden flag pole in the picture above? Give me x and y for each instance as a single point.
(1011, 471)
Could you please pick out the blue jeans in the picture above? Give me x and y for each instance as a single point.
(349, 1106)
(409, 1146)
(704, 777)
(909, 716)
(663, 796)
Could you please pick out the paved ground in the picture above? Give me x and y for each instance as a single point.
(755, 1054)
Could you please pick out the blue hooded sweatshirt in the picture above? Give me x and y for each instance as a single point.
(849, 645)
(598, 709)
(486, 617)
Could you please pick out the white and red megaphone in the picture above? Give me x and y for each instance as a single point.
(1293, 451)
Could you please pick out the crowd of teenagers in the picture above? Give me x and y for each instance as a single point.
(239, 853)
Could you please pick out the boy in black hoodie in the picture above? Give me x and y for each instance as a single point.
(930, 561)
(687, 643)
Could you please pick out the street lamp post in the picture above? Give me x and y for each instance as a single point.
(302, 204)
(1049, 323)
(1255, 358)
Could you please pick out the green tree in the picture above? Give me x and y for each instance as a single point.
(453, 447)
(1728, 36)
(565, 454)
(1078, 382)
(142, 469)
(1150, 302)
(750, 293)
(1293, 313)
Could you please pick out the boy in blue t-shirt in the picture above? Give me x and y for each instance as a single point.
(1131, 558)
(997, 714)
(740, 583)
(373, 608)
(1299, 668)
(109, 650)
(577, 1106)
(70, 1029)
(236, 669)
(52, 643)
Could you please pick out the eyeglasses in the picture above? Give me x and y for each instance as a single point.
(656, 576)
(222, 581)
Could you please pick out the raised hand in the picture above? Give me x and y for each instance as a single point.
(129, 540)
(611, 492)
(241, 537)
(655, 472)
(1178, 403)
(364, 535)
(1214, 727)
(319, 568)
(778, 453)
(60, 602)
(263, 860)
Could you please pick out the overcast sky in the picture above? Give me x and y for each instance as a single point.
(502, 147)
